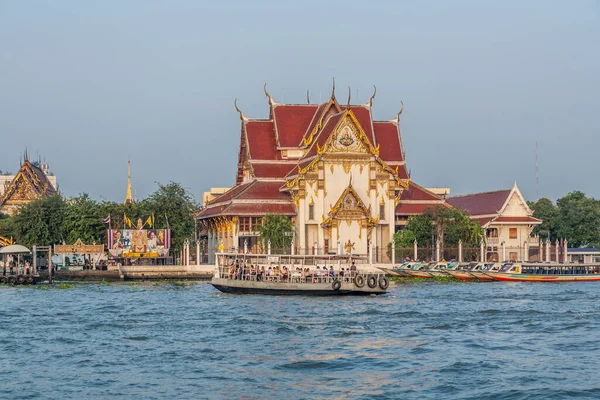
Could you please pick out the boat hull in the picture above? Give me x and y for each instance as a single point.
(462, 275)
(291, 289)
(543, 278)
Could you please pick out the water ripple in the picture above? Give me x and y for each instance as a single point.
(422, 340)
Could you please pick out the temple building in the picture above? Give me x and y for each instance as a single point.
(337, 173)
(508, 223)
(33, 181)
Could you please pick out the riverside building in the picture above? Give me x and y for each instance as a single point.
(340, 176)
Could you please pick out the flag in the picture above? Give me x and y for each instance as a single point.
(107, 220)
(167, 238)
(110, 235)
(149, 221)
(127, 220)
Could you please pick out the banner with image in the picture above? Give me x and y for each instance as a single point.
(136, 243)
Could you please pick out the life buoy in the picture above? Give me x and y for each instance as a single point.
(12, 280)
(371, 281)
(336, 285)
(20, 279)
(30, 279)
(384, 283)
(359, 281)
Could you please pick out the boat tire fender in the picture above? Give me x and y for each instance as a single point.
(384, 283)
(336, 285)
(359, 281)
(11, 280)
(20, 279)
(30, 280)
(371, 281)
(3, 279)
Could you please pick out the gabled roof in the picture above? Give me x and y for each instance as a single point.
(261, 140)
(486, 203)
(29, 183)
(256, 197)
(387, 136)
(416, 200)
(292, 121)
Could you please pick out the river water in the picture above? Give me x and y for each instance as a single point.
(421, 340)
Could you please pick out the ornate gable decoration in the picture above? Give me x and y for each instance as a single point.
(27, 186)
(348, 137)
(350, 207)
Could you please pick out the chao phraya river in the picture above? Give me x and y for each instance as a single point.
(422, 340)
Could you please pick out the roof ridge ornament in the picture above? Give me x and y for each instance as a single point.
(370, 102)
(271, 102)
(397, 119)
(349, 93)
(333, 89)
(242, 116)
(308, 97)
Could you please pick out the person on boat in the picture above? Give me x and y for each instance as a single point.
(284, 273)
(352, 270)
(342, 274)
(331, 272)
(270, 273)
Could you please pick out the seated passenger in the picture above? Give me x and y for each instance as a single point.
(331, 273)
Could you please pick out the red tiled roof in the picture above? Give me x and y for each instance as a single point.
(519, 219)
(480, 203)
(272, 170)
(483, 221)
(261, 140)
(413, 208)
(388, 139)
(314, 122)
(292, 122)
(363, 115)
(416, 192)
(263, 190)
(260, 209)
(231, 193)
(324, 134)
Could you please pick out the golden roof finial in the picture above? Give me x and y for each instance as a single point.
(373, 96)
(128, 196)
(333, 89)
(271, 102)
(397, 119)
(349, 93)
(242, 116)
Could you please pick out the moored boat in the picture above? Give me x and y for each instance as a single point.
(551, 272)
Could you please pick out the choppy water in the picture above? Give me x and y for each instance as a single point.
(422, 340)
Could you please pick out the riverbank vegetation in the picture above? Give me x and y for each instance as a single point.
(57, 219)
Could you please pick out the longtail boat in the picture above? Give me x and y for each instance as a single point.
(547, 272)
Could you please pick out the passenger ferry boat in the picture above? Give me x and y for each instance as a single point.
(551, 272)
(244, 276)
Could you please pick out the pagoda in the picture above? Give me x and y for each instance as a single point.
(128, 196)
(337, 173)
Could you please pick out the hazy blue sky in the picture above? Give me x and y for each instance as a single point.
(88, 84)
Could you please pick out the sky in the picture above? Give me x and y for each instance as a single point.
(89, 85)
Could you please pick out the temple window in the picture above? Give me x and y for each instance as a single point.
(382, 211)
(512, 233)
(311, 212)
(244, 224)
(256, 222)
(326, 250)
(492, 232)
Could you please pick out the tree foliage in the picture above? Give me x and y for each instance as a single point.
(278, 229)
(54, 220)
(574, 217)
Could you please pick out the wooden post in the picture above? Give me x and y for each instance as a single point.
(393, 252)
(49, 266)
(481, 250)
(460, 251)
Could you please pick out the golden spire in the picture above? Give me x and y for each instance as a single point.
(128, 197)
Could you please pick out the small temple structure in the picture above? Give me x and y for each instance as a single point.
(507, 219)
(340, 176)
(33, 181)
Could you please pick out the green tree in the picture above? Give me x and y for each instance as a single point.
(40, 222)
(83, 220)
(578, 219)
(404, 241)
(422, 227)
(176, 203)
(278, 229)
(545, 210)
